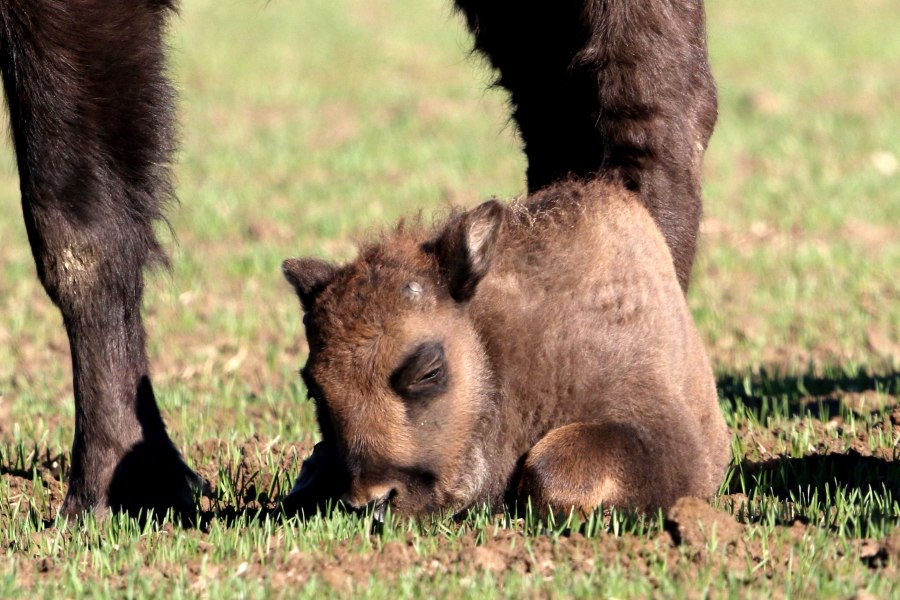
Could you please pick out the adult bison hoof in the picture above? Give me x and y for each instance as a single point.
(150, 480)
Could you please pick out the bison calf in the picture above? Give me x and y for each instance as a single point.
(542, 348)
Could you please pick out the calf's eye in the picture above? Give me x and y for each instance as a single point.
(422, 373)
(432, 375)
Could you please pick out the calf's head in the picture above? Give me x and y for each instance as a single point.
(397, 371)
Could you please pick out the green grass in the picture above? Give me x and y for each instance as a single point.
(305, 126)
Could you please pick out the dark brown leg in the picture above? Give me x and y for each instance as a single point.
(91, 115)
(583, 465)
(613, 87)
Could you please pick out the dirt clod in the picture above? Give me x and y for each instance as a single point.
(488, 559)
(694, 523)
(880, 553)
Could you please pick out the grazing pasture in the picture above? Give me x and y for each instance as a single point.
(306, 126)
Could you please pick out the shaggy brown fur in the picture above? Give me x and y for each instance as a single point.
(543, 347)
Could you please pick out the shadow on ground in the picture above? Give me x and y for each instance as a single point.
(810, 393)
(825, 474)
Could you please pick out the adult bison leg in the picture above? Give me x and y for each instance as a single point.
(612, 87)
(585, 465)
(91, 115)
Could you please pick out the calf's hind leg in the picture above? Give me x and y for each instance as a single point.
(584, 465)
(91, 120)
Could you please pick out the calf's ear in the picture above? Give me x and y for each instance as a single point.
(309, 276)
(465, 249)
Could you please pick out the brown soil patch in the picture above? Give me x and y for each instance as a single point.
(697, 536)
(38, 487)
(260, 472)
(348, 569)
(775, 441)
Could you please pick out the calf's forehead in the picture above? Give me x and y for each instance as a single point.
(378, 347)
(365, 324)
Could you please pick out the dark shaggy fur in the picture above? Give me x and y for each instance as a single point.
(609, 86)
(91, 115)
(542, 349)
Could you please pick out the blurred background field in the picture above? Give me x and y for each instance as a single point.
(306, 125)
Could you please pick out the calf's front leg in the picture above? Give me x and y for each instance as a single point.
(585, 465)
